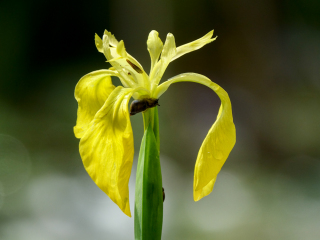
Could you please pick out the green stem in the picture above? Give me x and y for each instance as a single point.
(148, 195)
(151, 117)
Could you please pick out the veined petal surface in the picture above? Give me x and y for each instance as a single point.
(107, 149)
(195, 45)
(91, 92)
(219, 141)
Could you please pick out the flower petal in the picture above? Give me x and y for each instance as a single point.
(155, 47)
(107, 149)
(168, 52)
(112, 40)
(121, 50)
(195, 45)
(219, 141)
(130, 70)
(108, 46)
(98, 43)
(91, 92)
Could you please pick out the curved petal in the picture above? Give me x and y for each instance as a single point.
(107, 149)
(168, 52)
(219, 141)
(91, 92)
(155, 47)
(195, 45)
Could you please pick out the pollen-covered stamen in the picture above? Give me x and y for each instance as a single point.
(135, 67)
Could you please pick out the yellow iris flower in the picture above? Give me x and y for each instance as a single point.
(103, 122)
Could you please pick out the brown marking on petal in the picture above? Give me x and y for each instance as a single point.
(135, 67)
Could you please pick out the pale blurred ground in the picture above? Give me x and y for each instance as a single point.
(266, 57)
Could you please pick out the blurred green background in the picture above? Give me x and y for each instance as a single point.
(266, 56)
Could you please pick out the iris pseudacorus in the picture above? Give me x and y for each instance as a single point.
(103, 120)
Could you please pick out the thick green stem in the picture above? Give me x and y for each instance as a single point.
(151, 117)
(148, 195)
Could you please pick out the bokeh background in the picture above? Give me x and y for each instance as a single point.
(266, 57)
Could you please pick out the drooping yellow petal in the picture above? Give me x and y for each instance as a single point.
(195, 45)
(107, 149)
(91, 92)
(168, 52)
(155, 47)
(219, 141)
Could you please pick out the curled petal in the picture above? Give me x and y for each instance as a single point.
(195, 45)
(107, 149)
(91, 92)
(155, 47)
(219, 141)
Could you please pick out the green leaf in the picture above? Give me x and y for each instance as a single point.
(148, 196)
